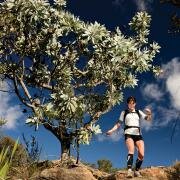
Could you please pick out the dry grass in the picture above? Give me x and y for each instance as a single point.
(174, 172)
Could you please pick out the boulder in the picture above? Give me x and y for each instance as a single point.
(58, 173)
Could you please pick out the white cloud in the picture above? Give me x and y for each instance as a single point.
(118, 2)
(164, 114)
(171, 75)
(143, 5)
(173, 86)
(116, 136)
(170, 68)
(152, 91)
(161, 117)
(146, 125)
(173, 81)
(8, 111)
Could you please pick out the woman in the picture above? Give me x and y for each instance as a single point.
(133, 137)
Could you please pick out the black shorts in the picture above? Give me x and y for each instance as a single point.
(133, 137)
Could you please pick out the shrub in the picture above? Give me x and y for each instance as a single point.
(5, 160)
(174, 172)
(104, 165)
(20, 156)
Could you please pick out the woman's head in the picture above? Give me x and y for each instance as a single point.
(131, 99)
(131, 102)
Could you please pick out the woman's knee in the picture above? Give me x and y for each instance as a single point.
(140, 148)
(140, 155)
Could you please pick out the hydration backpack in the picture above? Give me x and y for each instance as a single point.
(125, 114)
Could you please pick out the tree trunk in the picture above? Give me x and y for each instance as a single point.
(65, 149)
(64, 139)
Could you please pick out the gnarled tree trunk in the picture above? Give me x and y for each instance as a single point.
(65, 148)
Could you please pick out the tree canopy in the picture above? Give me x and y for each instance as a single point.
(68, 72)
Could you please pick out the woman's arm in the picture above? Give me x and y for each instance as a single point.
(116, 126)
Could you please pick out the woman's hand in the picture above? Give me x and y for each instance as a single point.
(108, 133)
(148, 113)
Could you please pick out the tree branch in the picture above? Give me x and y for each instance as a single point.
(83, 73)
(95, 117)
(85, 85)
(18, 94)
(25, 89)
(47, 86)
(52, 129)
(6, 91)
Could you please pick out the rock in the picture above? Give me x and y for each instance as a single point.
(58, 173)
(153, 173)
(115, 176)
(56, 170)
(87, 173)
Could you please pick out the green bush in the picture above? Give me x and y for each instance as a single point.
(6, 160)
(104, 165)
(20, 156)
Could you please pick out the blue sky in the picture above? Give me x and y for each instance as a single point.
(161, 94)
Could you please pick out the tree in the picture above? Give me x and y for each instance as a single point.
(66, 72)
(104, 165)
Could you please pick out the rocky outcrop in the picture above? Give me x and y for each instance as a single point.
(153, 173)
(57, 171)
(82, 172)
(73, 172)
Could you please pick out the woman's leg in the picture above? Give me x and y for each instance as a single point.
(130, 147)
(140, 147)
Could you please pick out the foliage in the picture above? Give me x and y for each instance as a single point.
(92, 165)
(174, 172)
(26, 159)
(6, 160)
(68, 72)
(22, 164)
(104, 165)
(32, 149)
(2, 122)
(20, 156)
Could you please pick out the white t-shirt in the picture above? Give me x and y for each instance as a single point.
(132, 119)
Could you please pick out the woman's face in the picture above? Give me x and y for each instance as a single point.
(131, 105)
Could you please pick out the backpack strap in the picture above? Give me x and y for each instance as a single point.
(137, 111)
(127, 127)
(125, 114)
